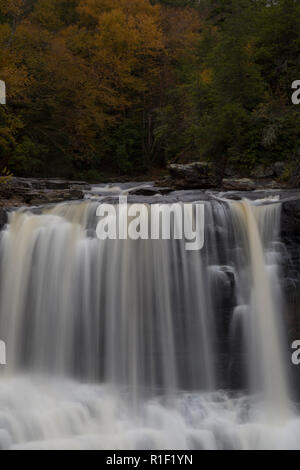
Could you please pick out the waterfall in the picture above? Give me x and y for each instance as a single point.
(260, 227)
(192, 341)
(75, 298)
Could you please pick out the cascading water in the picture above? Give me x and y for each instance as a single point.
(260, 227)
(132, 344)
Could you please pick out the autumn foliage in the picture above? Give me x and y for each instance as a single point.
(125, 85)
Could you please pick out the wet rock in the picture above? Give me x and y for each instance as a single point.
(290, 235)
(35, 191)
(234, 197)
(165, 181)
(269, 184)
(164, 191)
(52, 196)
(3, 218)
(150, 191)
(20, 183)
(55, 184)
(200, 175)
(189, 170)
(238, 184)
(147, 191)
(291, 221)
(249, 184)
(290, 281)
(44, 183)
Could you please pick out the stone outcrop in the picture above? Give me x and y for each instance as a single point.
(204, 175)
(37, 191)
(3, 218)
(260, 172)
(249, 184)
(238, 184)
(196, 175)
(290, 235)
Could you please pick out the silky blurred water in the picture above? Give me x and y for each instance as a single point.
(132, 344)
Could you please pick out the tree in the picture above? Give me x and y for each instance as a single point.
(125, 85)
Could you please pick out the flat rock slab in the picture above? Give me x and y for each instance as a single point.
(249, 184)
(34, 191)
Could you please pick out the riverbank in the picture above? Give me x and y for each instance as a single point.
(17, 191)
(36, 191)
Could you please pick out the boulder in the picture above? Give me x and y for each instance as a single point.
(196, 175)
(238, 184)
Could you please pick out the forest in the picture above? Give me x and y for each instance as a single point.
(123, 87)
